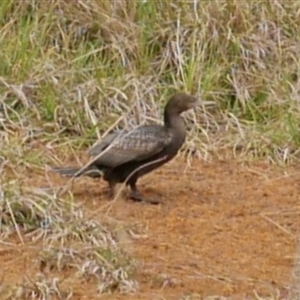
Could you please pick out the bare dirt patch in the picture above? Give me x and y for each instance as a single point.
(223, 229)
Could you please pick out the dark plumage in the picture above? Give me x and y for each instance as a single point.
(132, 154)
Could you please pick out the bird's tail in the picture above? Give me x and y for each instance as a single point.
(90, 171)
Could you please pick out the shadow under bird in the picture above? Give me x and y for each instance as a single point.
(126, 156)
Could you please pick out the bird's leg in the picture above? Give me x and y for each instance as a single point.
(136, 196)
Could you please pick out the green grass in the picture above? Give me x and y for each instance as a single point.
(70, 69)
(240, 56)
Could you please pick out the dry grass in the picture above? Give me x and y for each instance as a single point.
(70, 70)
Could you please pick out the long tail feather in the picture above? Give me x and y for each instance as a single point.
(90, 171)
(68, 172)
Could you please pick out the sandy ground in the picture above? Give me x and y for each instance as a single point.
(223, 228)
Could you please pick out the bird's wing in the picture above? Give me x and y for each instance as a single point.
(101, 145)
(138, 144)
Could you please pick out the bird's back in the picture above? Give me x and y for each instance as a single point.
(136, 145)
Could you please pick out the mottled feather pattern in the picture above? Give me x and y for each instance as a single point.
(136, 145)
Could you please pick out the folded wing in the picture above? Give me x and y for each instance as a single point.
(138, 144)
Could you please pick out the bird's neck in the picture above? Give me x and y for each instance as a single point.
(174, 122)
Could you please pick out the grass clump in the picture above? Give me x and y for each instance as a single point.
(62, 238)
(39, 288)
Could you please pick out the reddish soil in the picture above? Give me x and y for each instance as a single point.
(223, 228)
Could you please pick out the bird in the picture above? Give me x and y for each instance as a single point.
(124, 157)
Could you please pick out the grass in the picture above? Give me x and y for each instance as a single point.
(69, 71)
